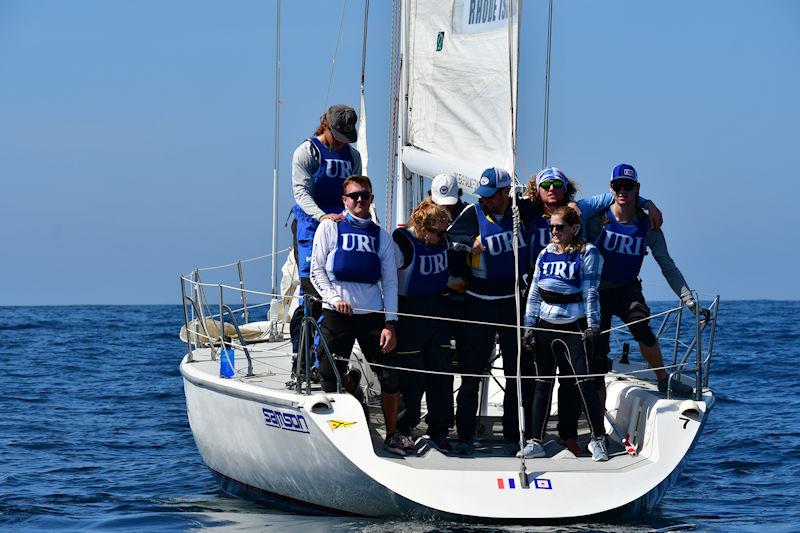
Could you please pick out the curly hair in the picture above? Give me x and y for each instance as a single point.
(538, 203)
(427, 215)
(571, 217)
(323, 125)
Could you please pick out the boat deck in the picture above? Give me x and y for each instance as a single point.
(272, 369)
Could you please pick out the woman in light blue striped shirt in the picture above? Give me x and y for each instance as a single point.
(563, 297)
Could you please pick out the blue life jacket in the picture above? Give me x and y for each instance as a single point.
(427, 273)
(623, 248)
(356, 257)
(560, 272)
(540, 235)
(498, 240)
(326, 182)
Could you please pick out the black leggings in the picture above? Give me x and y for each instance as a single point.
(425, 344)
(564, 351)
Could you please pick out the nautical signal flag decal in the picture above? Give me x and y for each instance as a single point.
(505, 483)
(501, 483)
(336, 424)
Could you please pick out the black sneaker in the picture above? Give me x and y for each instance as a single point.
(394, 444)
(443, 445)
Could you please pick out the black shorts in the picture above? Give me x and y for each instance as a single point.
(341, 332)
(619, 302)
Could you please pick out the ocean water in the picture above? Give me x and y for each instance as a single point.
(95, 437)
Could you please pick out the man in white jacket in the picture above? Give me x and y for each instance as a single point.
(354, 269)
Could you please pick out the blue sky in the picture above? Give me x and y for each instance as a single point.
(136, 137)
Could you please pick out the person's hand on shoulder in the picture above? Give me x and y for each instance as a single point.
(331, 216)
(477, 247)
(655, 216)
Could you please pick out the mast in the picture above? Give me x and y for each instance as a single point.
(274, 258)
(402, 104)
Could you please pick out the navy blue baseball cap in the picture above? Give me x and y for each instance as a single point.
(491, 181)
(624, 171)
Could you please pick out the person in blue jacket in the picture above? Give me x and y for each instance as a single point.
(319, 167)
(623, 235)
(563, 306)
(424, 344)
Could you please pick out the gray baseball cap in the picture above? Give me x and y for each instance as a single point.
(342, 121)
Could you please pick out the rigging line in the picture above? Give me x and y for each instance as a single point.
(250, 260)
(431, 317)
(364, 46)
(516, 228)
(395, 67)
(547, 83)
(335, 51)
(514, 376)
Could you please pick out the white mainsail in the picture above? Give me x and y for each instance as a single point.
(462, 60)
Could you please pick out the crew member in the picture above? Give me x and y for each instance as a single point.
(319, 167)
(484, 232)
(354, 269)
(563, 297)
(623, 234)
(424, 344)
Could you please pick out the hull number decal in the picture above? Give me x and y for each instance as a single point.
(511, 483)
(285, 421)
(336, 424)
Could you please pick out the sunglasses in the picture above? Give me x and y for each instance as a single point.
(623, 185)
(360, 195)
(555, 184)
(557, 227)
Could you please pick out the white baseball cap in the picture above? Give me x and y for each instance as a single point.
(444, 190)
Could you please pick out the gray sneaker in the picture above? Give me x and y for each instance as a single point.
(532, 450)
(598, 449)
(679, 389)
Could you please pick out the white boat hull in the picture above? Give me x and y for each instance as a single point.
(317, 450)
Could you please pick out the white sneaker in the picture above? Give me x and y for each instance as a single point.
(598, 449)
(532, 450)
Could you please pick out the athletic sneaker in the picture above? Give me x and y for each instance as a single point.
(510, 448)
(407, 442)
(394, 444)
(678, 389)
(477, 445)
(443, 445)
(464, 448)
(598, 448)
(532, 450)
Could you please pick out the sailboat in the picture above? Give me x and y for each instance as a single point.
(269, 432)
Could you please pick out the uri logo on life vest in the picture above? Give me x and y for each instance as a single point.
(622, 244)
(358, 242)
(559, 269)
(432, 264)
(502, 243)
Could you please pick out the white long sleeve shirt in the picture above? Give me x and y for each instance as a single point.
(363, 297)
